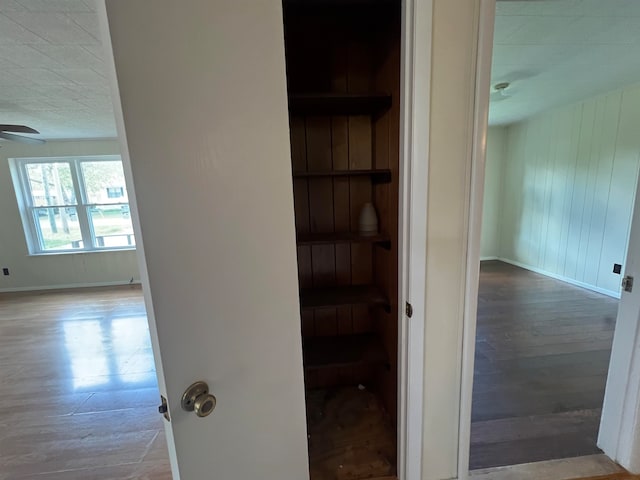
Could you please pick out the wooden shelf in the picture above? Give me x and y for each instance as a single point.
(343, 351)
(338, 104)
(343, 296)
(377, 175)
(343, 237)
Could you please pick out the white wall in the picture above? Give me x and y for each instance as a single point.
(53, 271)
(448, 196)
(491, 208)
(569, 188)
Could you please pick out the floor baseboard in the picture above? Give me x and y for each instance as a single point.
(68, 286)
(562, 278)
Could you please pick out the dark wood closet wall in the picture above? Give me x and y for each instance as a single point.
(349, 335)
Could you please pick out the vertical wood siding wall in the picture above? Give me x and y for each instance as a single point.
(569, 183)
(492, 205)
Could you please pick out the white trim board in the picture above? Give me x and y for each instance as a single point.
(415, 107)
(68, 286)
(483, 54)
(562, 278)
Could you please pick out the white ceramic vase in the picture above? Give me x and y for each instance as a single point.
(368, 222)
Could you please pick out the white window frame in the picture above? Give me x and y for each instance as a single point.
(82, 206)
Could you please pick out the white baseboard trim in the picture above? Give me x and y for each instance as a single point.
(562, 278)
(68, 286)
(486, 259)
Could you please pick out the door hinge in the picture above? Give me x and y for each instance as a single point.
(627, 283)
(408, 309)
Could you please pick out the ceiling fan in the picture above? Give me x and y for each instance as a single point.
(6, 129)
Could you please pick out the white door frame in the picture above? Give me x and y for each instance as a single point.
(619, 431)
(415, 90)
(484, 55)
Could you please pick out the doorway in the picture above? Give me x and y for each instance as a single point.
(343, 74)
(560, 185)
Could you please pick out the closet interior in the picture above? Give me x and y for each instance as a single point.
(343, 75)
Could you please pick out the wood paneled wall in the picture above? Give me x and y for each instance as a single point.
(325, 205)
(492, 202)
(569, 187)
(346, 52)
(387, 155)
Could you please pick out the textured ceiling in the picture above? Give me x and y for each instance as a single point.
(554, 52)
(557, 52)
(52, 76)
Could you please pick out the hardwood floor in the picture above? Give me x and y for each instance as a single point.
(590, 467)
(79, 395)
(542, 354)
(615, 476)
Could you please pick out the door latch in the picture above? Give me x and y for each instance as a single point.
(164, 408)
(627, 283)
(408, 309)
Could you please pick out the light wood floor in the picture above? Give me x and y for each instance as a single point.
(542, 354)
(617, 476)
(79, 395)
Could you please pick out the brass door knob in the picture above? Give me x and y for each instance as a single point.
(197, 399)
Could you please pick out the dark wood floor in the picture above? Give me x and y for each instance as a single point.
(542, 354)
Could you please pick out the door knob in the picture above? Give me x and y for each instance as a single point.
(197, 399)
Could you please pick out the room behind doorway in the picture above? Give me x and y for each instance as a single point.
(561, 175)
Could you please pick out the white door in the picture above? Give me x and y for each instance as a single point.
(619, 435)
(203, 125)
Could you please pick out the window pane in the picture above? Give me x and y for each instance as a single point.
(50, 184)
(104, 182)
(59, 228)
(111, 226)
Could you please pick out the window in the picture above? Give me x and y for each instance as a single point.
(115, 192)
(73, 204)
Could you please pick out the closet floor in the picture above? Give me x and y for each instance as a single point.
(350, 435)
